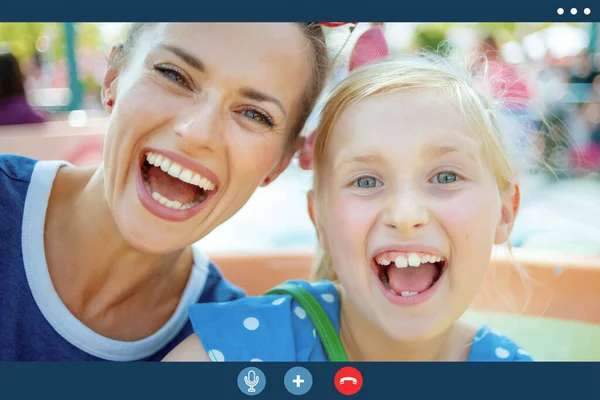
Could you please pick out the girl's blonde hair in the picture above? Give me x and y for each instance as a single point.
(405, 74)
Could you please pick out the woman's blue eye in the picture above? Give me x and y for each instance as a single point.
(445, 177)
(259, 117)
(367, 182)
(174, 76)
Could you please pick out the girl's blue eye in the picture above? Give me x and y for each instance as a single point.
(445, 177)
(367, 182)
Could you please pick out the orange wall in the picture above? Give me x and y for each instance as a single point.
(554, 285)
(56, 141)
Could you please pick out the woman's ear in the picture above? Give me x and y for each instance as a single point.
(109, 83)
(284, 162)
(510, 202)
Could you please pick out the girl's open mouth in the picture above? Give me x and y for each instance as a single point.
(169, 189)
(404, 275)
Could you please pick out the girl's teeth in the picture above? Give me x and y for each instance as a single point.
(408, 294)
(382, 261)
(401, 262)
(414, 260)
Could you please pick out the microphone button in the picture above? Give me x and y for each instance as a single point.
(251, 381)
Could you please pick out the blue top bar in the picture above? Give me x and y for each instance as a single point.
(305, 10)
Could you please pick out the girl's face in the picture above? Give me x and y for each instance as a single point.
(202, 116)
(408, 212)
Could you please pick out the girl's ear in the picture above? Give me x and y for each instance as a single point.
(311, 212)
(510, 202)
(310, 200)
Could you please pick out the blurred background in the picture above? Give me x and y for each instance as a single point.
(50, 108)
(555, 65)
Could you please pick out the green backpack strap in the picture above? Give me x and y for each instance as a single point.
(327, 332)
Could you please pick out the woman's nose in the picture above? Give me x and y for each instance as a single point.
(201, 124)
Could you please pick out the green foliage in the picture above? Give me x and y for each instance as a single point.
(21, 38)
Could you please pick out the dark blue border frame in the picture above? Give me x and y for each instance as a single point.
(416, 381)
(218, 381)
(299, 10)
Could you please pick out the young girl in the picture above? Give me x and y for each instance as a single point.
(413, 185)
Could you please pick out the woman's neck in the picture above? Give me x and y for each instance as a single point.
(365, 342)
(113, 288)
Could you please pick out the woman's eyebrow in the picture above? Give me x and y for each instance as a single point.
(260, 96)
(188, 58)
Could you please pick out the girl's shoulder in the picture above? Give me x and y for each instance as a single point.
(264, 328)
(491, 345)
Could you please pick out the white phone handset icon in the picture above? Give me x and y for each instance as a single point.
(348, 379)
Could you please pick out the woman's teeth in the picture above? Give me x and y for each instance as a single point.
(174, 204)
(177, 171)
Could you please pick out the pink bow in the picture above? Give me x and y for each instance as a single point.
(336, 24)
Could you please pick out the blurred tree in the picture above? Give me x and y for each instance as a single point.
(429, 37)
(21, 37)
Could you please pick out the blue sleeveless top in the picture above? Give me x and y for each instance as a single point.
(276, 328)
(35, 325)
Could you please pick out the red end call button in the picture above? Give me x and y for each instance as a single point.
(348, 381)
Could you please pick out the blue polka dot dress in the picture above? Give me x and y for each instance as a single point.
(276, 328)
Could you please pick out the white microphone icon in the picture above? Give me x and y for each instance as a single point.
(251, 380)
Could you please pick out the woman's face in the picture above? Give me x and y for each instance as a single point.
(202, 116)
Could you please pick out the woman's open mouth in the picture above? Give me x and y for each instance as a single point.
(408, 275)
(170, 190)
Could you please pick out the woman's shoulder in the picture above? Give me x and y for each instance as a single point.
(272, 327)
(208, 283)
(491, 345)
(16, 168)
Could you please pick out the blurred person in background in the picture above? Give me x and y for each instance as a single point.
(507, 82)
(14, 108)
(510, 86)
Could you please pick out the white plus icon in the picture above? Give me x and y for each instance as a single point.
(298, 381)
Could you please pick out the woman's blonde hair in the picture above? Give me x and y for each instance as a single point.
(410, 73)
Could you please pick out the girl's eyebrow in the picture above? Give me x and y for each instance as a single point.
(364, 158)
(468, 150)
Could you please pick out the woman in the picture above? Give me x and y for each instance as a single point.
(14, 108)
(98, 263)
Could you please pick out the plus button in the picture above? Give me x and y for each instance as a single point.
(298, 381)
